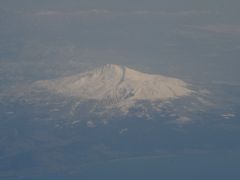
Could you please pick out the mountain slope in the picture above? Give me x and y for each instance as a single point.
(116, 84)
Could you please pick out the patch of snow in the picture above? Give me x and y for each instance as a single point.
(123, 130)
(116, 85)
(228, 115)
(183, 120)
(91, 124)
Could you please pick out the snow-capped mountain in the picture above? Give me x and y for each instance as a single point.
(116, 85)
(110, 92)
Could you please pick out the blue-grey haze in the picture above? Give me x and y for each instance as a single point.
(197, 41)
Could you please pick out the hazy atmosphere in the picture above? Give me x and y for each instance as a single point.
(194, 40)
(45, 44)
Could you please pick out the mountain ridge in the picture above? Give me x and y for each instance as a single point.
(118, 83)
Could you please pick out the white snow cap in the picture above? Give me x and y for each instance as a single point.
(117, 83)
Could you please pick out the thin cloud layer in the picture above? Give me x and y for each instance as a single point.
(105, 12)
(221, 28)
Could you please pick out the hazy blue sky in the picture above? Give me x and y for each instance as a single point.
(193, 40)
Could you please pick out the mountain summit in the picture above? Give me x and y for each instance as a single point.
(116, 84)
